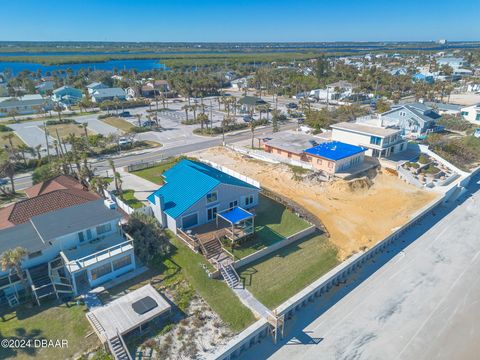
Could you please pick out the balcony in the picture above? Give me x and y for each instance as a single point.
(96, 251)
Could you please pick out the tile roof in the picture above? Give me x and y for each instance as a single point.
(335, 150)
(60, 182)
(187, 182)
(55, 194)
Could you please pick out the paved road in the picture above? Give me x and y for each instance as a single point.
(101, 166)
(423, 303)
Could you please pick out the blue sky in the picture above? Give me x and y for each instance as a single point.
(240, 20)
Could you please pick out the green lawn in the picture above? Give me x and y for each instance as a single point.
(215, 292)
(128, 197)
(119, 123)
(154, 174)
(4, 141)
(182, 270)
(273, 223)
(50, 321)
(276, 278)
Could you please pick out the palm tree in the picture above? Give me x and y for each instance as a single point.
(139, 118)
(99, 184)
(23, 148)
(186, 108)
(13, 113)
(252, 129)
(58, 109)
(85, 130)
(114, 170)
(202, 118)
(7, 168)
(11, 260)
(9, 137)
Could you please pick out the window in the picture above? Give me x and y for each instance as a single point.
(233, 204)
(81, 236)
(402, 113)
(375, 140)
(189, 220)
(279, 151)
(248, 200)
(122, 262)
(101, 271)
(477, 117)
(212, 197)
(211, 213)
(102, 229)
(89, 234)
(465, 113)
(34, 254)
(289, 155)
(330, 164)
(319, 161)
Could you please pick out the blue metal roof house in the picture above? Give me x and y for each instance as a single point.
(335, 156)
(195, 192)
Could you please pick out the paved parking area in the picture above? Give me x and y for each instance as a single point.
(31, 134)
(421, 304)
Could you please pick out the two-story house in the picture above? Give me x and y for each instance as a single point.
(414, 119)
(73, 240)
(379, 141)
(67, 95)
(195, 192)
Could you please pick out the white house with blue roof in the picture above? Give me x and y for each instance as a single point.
(194, 193)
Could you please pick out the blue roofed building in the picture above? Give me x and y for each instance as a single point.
(67, 95)
(335, 156)
(194, 193)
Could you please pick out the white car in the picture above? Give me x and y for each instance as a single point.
(124, 141)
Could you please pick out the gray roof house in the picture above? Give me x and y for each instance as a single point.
(414, 119)
(67, 95)
(70, 250)
(100, 95)
(95, 86)
(26, 104)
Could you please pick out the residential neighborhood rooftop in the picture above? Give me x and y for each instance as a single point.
(334, 150)
(187, 182)
(367, 129)
(293, 141)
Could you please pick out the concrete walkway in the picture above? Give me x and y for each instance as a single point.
(258, 309)
(143, 188)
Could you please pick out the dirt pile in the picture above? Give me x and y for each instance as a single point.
(356, 213)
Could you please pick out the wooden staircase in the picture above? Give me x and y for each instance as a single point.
(212, 248)
(118, 348)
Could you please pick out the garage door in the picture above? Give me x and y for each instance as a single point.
(189, 221)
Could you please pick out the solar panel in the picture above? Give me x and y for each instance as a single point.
(144, 305)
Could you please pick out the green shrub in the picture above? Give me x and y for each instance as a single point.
(58, 122)
(4, 128)
(423, 159)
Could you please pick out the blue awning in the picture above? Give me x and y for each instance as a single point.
(235, 215)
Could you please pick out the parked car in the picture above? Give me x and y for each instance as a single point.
(3, 181)
(148, 123)
(292, 105)
(125, 114)
(247, 118)
(123, 141)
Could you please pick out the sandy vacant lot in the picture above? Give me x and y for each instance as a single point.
(464, 99)
(356, 214)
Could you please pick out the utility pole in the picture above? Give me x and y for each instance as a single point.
(46, 140)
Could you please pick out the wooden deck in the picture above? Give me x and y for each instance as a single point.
(119, 318)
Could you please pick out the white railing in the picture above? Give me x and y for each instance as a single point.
(232, 173)
(73, 265)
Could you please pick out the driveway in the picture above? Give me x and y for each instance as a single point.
(418, 300)
(143, 188)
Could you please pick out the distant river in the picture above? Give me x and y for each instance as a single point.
(139, 65)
